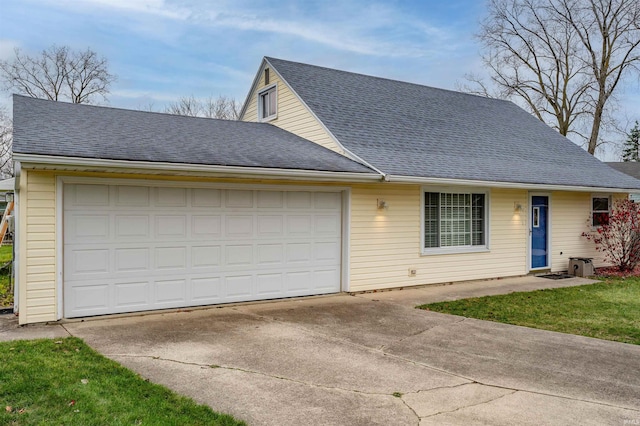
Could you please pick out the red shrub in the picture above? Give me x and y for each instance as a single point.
(619, 239)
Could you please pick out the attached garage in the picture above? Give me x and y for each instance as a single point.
(135, 247)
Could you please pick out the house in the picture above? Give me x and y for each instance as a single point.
(6, 192)
(631, 168)
(333, 181)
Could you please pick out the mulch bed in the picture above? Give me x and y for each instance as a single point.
(613, 272)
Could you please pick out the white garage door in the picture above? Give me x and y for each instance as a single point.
(134, 248)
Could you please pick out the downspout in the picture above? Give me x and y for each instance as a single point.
(16, 241)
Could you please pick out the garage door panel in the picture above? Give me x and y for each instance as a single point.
(298, 253)
(270, 285)
(239, 287)
(299, 225)
(132, 259)
(87, 227)
(206, 226)
(89, 298)
(298, 282)
(239, 226)
(205, 256)
(327, 251)
(270, 226)
(270, 254)
(328, 225)
(327, 201)
(88, 195)
(170, 197)
(206, 290)
(170, 292)
(132, 294)
(206, 197)
(130, 248)
(238, 255)
(299, 200)
(239, 199)
(132, 226)
(87, 261)
(128, 196)
(270, 200)
(171, 226)
(170, 258)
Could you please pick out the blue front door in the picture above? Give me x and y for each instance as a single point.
(539, 234)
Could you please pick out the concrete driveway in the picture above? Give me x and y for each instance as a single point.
(373, 359)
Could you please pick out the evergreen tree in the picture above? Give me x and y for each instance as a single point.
(631, 150)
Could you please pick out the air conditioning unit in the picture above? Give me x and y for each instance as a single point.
(581, 266)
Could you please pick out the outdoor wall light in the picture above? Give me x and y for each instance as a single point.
(382, 204)
(517, 207)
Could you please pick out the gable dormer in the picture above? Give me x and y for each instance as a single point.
(271, 100)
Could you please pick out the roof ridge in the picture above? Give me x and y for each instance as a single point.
(269, 58)
(93, 106)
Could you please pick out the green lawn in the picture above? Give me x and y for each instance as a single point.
(6, 295)
(65, 382)
(6, 254)
(609, 310)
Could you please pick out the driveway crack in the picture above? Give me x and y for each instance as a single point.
(395, 342)
(471, 405)
(272, 376)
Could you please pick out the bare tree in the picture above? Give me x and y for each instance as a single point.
(58, 73)
(6, 139)
(221, 107)
(564, 59)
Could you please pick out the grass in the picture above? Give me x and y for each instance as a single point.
(608, 310)
(66, 382)
(6, 254)
(6, 295)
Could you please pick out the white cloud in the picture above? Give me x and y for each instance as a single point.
(151, 7)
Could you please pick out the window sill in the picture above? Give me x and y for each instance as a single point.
(454, 250)
(270, 118)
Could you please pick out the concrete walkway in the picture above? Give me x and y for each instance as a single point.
(373, 359)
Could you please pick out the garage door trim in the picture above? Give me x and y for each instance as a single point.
(62, 180)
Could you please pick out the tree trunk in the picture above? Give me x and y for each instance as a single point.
(595, 129)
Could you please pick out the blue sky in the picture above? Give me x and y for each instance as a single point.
(164, 49)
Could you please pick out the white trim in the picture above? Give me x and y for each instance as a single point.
(485, 248)
(187, 184)
(260, 94)
(17, 246)
(508, 185)
(254, 85)
(63, 180)
(91, 164)
(59, 235)
(347, 153)
(530, 227)
(346, 240)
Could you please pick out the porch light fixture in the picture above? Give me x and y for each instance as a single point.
(382, 204)
(517, 207)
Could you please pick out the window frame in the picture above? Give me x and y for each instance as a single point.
(425, 251)
(608, 211)
(265, 92)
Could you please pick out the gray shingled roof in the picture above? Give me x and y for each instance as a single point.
(64, 129)
(412, 130)
(630, 168)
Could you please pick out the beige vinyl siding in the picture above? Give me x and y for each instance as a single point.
(383, 244)
(570, 217)
(386, 243)
(38, 300)
(292, 114)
